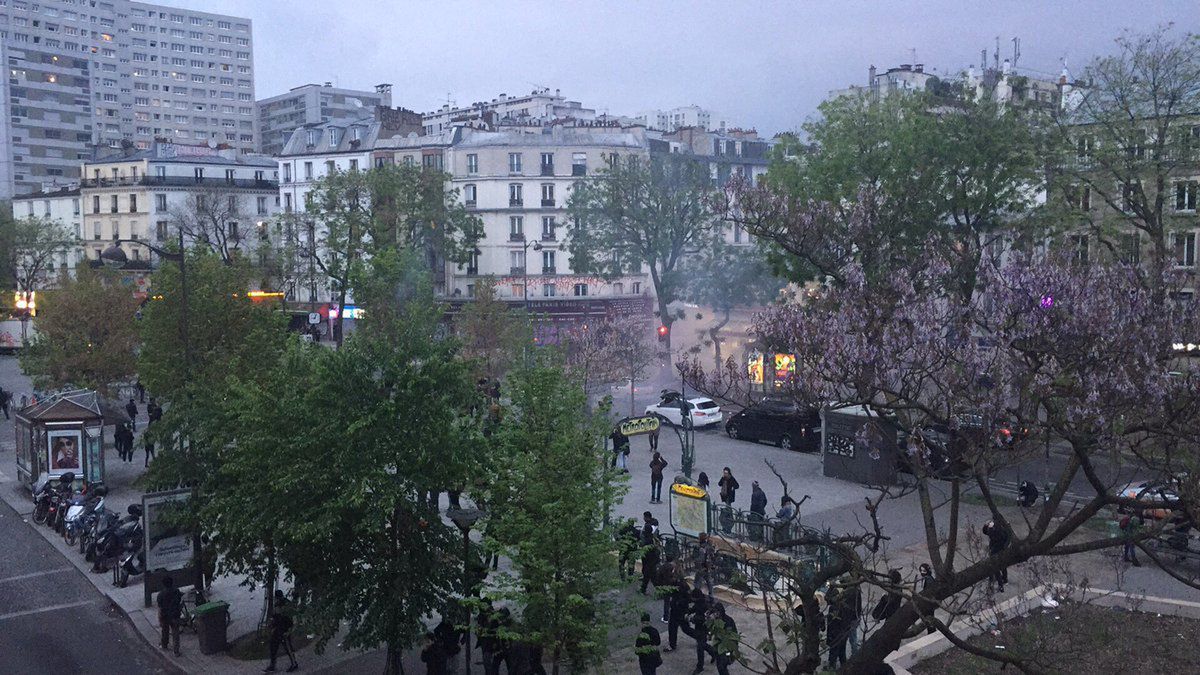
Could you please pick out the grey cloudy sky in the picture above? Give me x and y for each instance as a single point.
(762, 64)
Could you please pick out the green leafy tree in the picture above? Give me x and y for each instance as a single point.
(492, 334)
(366, 551)
(87, 336)
(726, 277)
(28, 249)
(357, 214)
(642, 214)
(960, 171)
(549, 517)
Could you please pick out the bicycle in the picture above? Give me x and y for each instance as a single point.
(187, 608)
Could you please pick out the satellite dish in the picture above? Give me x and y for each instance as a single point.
(357, 103)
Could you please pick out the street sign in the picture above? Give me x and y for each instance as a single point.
(640, 425)
(689, 510)
(314, 318)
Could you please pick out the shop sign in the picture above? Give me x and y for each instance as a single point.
(640, 425)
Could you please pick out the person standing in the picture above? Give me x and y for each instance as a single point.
(281, 633)
(141, 390)
(837, 624)
(170, 600)
(699, 631)
(998, 540)
(646, 647)
(620, 443)
(153, 411)
(702, 481)
(5, 397)
(680, 602)
(852, 602)
(758, 511)
(650, 561)
(149, 450)
(727, 638)
(657, 464)
(131, 409)
(654, 439)
(627, 544)
(728, 485)
(1130, 524)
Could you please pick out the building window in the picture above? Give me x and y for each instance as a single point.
(287, 203)
(548, 227)
(160, 203)
(199, 173)
(1185, 249)
(96, 230)
(116, 230)
(330, 167)
(581, 289)
(469, 194)
(636, 288)
(95, 204)
(233, 231)
(547, 163)
(354, 165)
(308, 170)
(516, 261)
(514, 162)
(515, 196)
(1131, 248)
(75, 206)
(1128, 196)
(618, 288)
(737, 234)
(261, 206)
(548, 194)
(516, 228)
(1185, 195)
(579, 163)
(548, 262)
(229, 176)
(1079, 249)
(473, 262)
(133, 204)
(113, 206)
(472, 163)
(287, 173)
(548, 290)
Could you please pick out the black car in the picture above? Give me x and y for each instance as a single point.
(781, 422)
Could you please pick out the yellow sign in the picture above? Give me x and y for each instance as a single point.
(688, 491)
(640, 425)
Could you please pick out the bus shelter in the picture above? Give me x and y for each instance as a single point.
(64, 433)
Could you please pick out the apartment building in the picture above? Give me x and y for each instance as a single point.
(539, 104)
(116, 74)
(63, 205)
(140, 196)
(279, 116)
(682, 117)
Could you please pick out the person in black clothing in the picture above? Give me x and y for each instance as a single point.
(852, 602)
(657, 464)
(131, 409)
(702, 481)
(281, 633)
(449, 639)
(998, 540)
(728, 485)
(891, 601)
(119, 441)
(646, 647)
(627, 543)
(154, 410)
(727, 639)
(837, 624)
(650, 560)
(5, 397)
(758, 511)
(149, 450)
(680, 602)
(699, 626)
(434, 656)
(925, 573)
(487, 625)
(1028, 494)
(170, 601)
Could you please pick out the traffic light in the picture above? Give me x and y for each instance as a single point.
(663, 332)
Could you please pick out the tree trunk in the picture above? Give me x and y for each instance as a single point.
(714, 333)
(395, 661)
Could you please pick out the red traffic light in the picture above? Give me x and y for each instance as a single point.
(663, 330)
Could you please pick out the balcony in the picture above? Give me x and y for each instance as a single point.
(515, 203)
(516, 270)
(470, 203)
(547, 169)
(472, 271)
(549, 270)
(548, 203)
(549, 236)
(180, 181)
(516, 236)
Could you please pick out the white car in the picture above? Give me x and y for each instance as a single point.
(704, 411)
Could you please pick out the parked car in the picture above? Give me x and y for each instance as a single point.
(781, 422)
(1160, 493)
(704, 411)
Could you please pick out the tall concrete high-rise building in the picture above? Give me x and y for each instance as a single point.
(279, 116)
(116, 74)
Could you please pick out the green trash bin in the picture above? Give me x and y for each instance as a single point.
(212, 618)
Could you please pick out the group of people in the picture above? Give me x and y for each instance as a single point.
(695, 613)
(124, 435)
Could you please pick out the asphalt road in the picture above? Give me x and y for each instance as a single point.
(52, 620)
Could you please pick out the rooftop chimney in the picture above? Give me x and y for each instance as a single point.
(871, 75)
(920, 67)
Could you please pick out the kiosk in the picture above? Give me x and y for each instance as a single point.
(63, 433)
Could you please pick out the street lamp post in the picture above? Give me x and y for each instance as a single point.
(114, 257)
(464, 519)
(537, 246)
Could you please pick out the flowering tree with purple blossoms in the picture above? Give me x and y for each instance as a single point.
(1078, 358)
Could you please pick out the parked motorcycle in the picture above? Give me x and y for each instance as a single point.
(132, 563)
(80, 510)
(114, 541)
(103, 520)
(48, 496)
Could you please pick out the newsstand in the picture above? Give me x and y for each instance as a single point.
(212, 618)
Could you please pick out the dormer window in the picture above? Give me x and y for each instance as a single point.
(313, 136)
(356, 133)
(334, 136)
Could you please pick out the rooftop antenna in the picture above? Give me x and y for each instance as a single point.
(1016, 50)
(996, 55)
(983, 59)
(912, 51)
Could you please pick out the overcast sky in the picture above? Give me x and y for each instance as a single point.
(761, 64)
